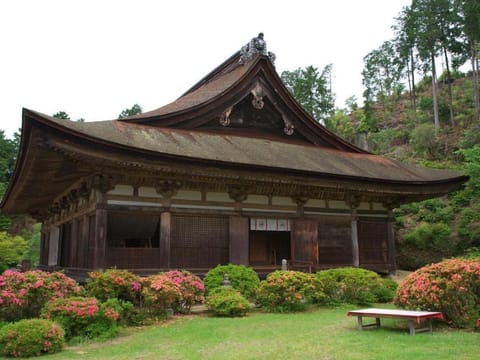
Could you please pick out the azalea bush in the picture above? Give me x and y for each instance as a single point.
(31, 337)
(284, 291)
(84, 317)
(160, 292)
(451, 287)
(22, 295)
(353, 286)
(191, 287)
(227, 301)
(241, 277)
(113, 284)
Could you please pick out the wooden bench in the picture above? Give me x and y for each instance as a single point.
(413, 317)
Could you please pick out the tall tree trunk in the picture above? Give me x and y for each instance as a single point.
(449, 87)
(436, 118)
(476, 94)
(412, 71)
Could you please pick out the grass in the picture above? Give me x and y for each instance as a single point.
(317, 334)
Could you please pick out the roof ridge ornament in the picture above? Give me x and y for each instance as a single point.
(256, 46)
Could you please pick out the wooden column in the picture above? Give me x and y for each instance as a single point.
(239, 237)
(355, 247)
(391, 242)
(165, 234)
(100, 241)
(44, 244)
(73, 252)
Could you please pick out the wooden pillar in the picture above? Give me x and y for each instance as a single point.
(73, 251)
(239, 237)
(355, 247)
(391, 242)
(100, 241)
(165, 234)
(53, 248)
(44, 243)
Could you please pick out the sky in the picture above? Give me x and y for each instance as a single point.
(94, 58)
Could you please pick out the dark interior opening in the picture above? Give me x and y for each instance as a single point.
(269, 247)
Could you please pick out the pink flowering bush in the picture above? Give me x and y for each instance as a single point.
(160, 292)
(32, 337)
(284, 291)
(191, 288)
(113, 284)
(451, 287)
(84, 317)
(22, 295)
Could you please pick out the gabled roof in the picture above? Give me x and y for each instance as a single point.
(239, 118)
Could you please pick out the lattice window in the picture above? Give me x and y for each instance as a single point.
(199, 241)
(335, 240)
(372, 241)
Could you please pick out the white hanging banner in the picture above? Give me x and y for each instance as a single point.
(269, 224)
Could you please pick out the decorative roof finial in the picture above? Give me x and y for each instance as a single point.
(256, 46)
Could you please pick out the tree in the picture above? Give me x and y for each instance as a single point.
(61, 115)
(312, 90)
(12, 249)
(470, 23)
(381, 76)
(134, 110)
(405, 47)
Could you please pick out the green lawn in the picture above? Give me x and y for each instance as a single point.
(316, 334)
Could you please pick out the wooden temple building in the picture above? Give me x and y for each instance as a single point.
(234, 171)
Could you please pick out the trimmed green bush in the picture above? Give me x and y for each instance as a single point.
(285, 291)
(227, 301)
(84, 317)
(242, 278)
(451, 287)
(353, 286)
(32, 337)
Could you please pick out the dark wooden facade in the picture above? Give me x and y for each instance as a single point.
(233, 171)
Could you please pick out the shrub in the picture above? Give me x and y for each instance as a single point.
(451, 287)
(32, 337)
(159, 293)
(191, 287)
(430, 236)
(227, 301)
(113, 284)
(12, 249)
(22, 295)
(284, 291)
(353, 286)
(242, 278)
(84, 317)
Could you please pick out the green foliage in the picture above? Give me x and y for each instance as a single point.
(33, 238)
(424, 244)
(451, 287)
(83, 317)
(113, 283)
(383, 140)
(61, 115)
(134, 110)
(33, 337)
(468, 227)
(227, 301)
(424, 140)
(22, 295)
(312, 90)
(12, 249)
(354, 286)
(285, 291)
(242, 278)
(341, 124)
